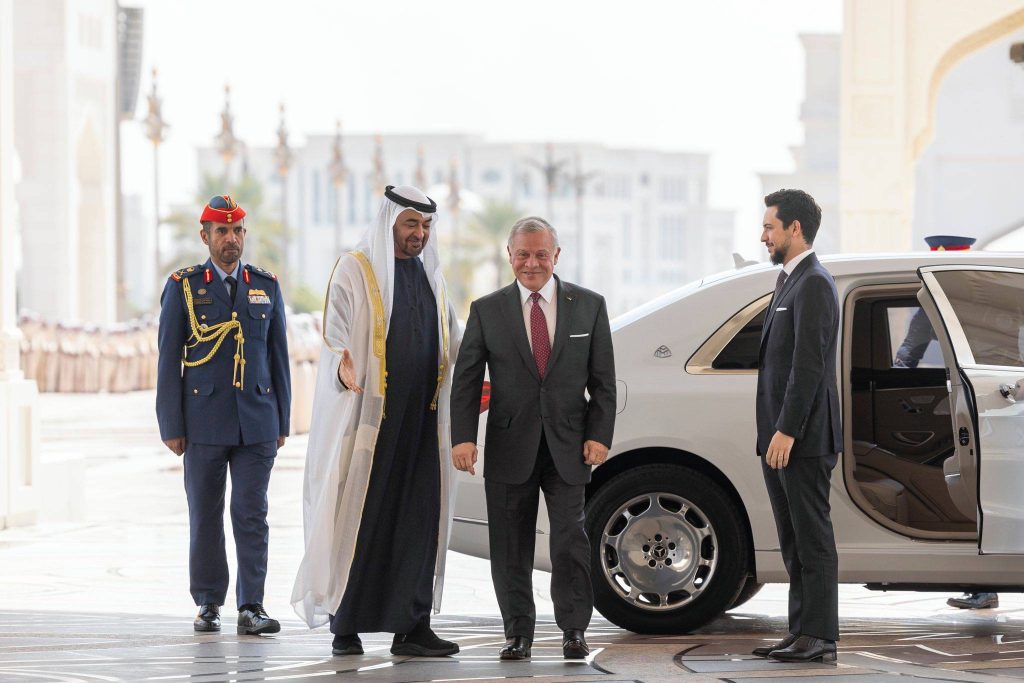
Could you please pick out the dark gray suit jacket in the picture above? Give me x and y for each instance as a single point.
(523, 406)
(796, 379)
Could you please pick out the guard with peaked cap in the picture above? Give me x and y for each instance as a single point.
(378, 482)
(223, 400)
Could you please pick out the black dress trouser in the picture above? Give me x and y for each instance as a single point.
(512, 524)
(799, 498)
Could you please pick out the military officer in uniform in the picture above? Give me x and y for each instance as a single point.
(223, 397)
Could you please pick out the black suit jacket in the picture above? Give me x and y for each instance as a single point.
(523, 406)
(796, 379)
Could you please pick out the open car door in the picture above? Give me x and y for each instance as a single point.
(981, 311)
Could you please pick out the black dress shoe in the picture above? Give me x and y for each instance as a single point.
(516, 647)
(573, 645)
(766, 650)
(253, 621)
(208, 618)
(422, 642)
(807, 649)
(349, 644)
(975, 601)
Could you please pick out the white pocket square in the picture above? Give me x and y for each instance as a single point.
(781, 309)
(576, 336)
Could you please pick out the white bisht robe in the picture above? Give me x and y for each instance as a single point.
(343, 432)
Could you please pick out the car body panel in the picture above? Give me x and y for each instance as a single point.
(711, 417)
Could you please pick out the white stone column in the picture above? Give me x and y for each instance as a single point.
(895, 55)
(19, 420)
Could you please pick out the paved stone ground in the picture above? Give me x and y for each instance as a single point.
(104, 597)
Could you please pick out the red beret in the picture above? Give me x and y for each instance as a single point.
(222, 209)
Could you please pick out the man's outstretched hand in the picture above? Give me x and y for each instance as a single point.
(347, 372)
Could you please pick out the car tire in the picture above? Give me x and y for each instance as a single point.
(749, 590)
(646, 549)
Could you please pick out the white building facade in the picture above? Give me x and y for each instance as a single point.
(646, 223)
(65, 84)
(968, 180)
(816, 161)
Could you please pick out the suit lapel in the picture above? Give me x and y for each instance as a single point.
(790, 283)
(565, 297)
(517, 327)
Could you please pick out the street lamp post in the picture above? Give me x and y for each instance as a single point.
(338, 176)
(453, 206)
(378, 166)
(552, 171)
(579, 181)
(420, 177)
(156, 129)
(283, 157)
(227, 143)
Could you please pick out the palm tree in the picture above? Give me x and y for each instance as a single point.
(265, 234)
(490, 228)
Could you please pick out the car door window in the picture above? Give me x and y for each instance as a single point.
(743, 350)
(990, 308)
(912, 342)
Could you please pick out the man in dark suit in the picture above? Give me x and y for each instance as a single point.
(798, 429)
(223, 400)
(545, 343)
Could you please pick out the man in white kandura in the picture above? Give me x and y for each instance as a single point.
(378, 487)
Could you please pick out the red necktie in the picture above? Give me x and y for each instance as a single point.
(539, 335)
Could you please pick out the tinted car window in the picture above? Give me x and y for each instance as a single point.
(912, 342)
(990, 308)
(742, 351)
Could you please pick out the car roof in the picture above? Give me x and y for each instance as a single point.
(839, 265)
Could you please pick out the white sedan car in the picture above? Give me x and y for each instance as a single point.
(929, 492)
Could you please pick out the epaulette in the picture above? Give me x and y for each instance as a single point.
(264, 273)
(185, 272)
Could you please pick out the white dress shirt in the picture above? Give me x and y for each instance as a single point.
(548, 304)
(791, 266)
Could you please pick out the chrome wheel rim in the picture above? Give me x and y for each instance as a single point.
(658, 551)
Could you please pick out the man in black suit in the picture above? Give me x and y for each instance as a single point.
(545, 342)
(798, 431)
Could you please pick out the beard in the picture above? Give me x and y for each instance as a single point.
(779, 255)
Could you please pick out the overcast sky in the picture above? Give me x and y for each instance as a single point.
(723, 77)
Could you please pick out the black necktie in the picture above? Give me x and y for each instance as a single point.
(233, 285)
(778, 284)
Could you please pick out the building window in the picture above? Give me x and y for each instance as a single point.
(671, 237)
(674, 189)
(316, 197)
(627, 236)
(525, 186)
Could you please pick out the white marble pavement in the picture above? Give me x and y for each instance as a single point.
(104, 597)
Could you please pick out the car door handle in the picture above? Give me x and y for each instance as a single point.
(1011, 392)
